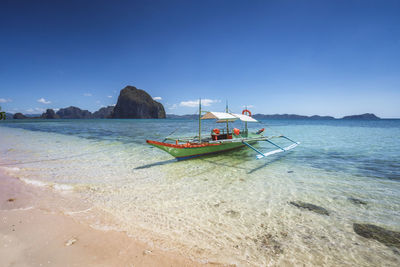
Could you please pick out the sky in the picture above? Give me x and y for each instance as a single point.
(274, 56)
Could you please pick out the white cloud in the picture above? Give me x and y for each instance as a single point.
(3, 100)
(157, 98)
(195, 103)
(109, 96)
(43, 101)
(35, 110)
(174, 106)
(248, 106)
(87, 94)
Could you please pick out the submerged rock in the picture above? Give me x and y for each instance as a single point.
(387, 237)
(309, 206)
(232, 213)
(357, 201)
(269, 242)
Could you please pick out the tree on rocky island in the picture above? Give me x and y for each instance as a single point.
(2, 115)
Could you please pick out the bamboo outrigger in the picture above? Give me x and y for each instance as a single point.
(220, 140)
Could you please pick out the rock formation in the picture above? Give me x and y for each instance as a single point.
(74, 113)
(49, 114)
(135, 103)
(18, 116)
(103, 113)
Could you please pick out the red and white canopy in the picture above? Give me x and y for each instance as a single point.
(223, 117)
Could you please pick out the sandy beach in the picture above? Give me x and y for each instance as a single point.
(34, 236)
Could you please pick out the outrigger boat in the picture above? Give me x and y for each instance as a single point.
(220, 140)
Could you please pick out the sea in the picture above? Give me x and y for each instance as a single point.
(230, 208)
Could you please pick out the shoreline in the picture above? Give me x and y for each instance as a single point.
(34, 235)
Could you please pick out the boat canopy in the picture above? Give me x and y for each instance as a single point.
(244, 118)
(223, 117)
(220, 116)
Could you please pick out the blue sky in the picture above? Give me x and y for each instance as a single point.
(304, 57)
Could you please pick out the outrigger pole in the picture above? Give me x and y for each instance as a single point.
(199, 120)
(252, 147)
(227, 123)
(281, 149)
(245, 124)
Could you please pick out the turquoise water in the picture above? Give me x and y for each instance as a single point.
(230, 208)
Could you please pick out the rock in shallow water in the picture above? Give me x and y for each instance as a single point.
(309, 206)
(387, 237)
(357, 201)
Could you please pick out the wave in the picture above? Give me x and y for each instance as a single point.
(55, 186)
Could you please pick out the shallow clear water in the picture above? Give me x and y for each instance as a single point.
(231, 207)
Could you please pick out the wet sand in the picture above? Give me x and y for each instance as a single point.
(34, 236)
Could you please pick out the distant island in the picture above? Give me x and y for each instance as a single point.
(366, 116)
(132, 103)
(107, 113)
